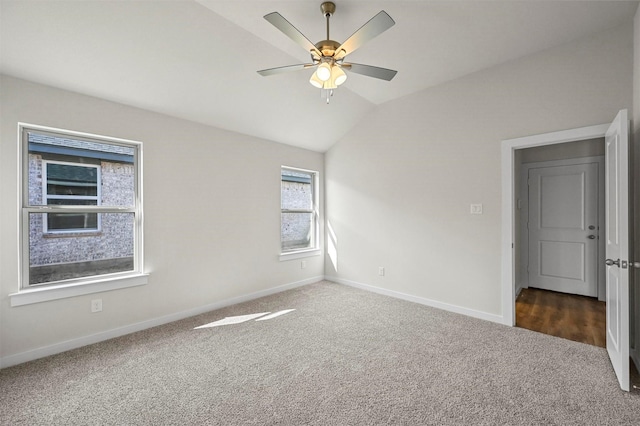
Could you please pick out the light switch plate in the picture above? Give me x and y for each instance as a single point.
(476, 208)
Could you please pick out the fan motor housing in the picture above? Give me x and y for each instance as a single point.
(327, 47)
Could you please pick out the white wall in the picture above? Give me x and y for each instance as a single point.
(212, 216)
(399, 185)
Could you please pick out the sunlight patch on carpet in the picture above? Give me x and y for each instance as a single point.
(275, 314)
(233, 320)
(262, 316)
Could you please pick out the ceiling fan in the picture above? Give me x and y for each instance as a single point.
(327, 56)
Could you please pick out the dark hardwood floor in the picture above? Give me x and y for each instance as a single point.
(569, 316)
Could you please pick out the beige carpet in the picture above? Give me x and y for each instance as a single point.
(343, 357)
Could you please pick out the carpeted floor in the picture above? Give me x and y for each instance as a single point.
(343, 357)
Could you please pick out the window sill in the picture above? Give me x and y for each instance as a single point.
(63, 291)
(299, 254)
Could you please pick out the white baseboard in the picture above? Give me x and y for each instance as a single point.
(57, 348)
(421, 300)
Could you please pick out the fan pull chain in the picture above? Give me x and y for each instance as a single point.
(328, 93)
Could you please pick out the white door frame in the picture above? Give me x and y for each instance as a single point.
(509, 194)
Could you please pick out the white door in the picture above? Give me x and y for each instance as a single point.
(617, 245)
(563, 228)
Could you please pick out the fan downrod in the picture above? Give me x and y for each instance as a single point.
(327, 47)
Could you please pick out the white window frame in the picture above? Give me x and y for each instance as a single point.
(28, 294)
(46, 197)
(314, 248)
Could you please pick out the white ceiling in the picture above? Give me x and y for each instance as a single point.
(198, 60)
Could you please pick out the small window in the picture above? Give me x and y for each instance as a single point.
(72, 185)
(299, 215)
(81, 207)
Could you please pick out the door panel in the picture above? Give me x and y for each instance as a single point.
(563, 205)
(573, 260)
(613, 315)
(617, 247)
(562, 201)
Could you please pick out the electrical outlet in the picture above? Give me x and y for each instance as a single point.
(303, 264)
(96, 305)
(381, 271)
(476, 208)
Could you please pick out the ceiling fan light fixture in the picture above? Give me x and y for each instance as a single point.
(338, 75)
(315, 81)
(329, 85)
(327, 55)
(324, 71)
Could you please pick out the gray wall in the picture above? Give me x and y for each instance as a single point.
(636, 189)
(212, 230)
(399, 185)
(588, 148)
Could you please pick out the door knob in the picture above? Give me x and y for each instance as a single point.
(611, 262)
(592, 227)
(591, 237)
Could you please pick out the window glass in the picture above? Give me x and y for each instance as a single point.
(56, 259)
(90, 224)
(297, 191)
(65, 167)
(298, 230)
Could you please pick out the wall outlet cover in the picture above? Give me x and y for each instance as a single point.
(476, 208)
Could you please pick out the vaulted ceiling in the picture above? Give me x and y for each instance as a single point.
(197, 60)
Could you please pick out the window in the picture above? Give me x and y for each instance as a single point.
(81, 219)
(299, 214)
(73, 185)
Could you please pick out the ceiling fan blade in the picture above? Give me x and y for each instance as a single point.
(292, 32)
(374, 27)
(281, 70)
(370, 71)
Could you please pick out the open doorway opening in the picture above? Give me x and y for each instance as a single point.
(616, 231)
(559, 212)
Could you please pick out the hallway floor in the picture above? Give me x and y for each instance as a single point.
(573, 317)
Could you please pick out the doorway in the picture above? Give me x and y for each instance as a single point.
(560, 206)
(616, 230)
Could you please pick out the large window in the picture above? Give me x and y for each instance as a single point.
(81, 208)
(299, 214)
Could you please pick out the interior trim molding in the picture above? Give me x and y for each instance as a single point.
(67, 345)
(421, 300)
(508, 240)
